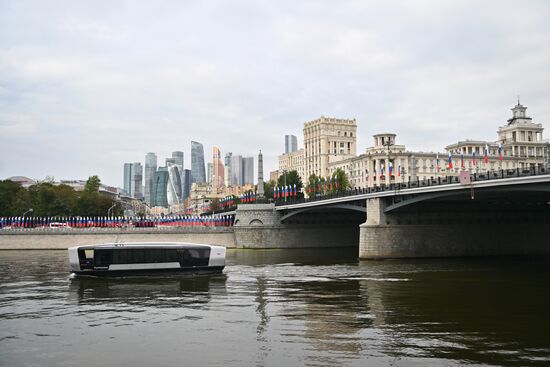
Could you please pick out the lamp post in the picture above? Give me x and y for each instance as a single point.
(111, 208)
(28, 211)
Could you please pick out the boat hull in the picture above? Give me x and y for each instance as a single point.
(184, 271)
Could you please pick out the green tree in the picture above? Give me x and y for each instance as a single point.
(11, 199)
(313, 186)
(92, 184)
(268, 188)
(339, 181)
(291, 178)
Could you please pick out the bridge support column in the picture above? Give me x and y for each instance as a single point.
(375, 234)
(256, 226)
(443, 233)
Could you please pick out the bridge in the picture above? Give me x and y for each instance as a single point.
(495, 213)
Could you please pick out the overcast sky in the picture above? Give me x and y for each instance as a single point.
(88, 85)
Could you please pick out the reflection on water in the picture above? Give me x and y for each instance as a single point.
(159, 292)
(279, 307)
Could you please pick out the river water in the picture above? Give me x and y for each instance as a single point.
(279, 308)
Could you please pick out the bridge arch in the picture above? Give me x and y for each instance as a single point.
(350, 207)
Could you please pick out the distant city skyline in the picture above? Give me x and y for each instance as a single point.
(84, 90)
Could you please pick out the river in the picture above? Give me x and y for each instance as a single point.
(280, 308)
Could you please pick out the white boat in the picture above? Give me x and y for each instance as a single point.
(146, 258)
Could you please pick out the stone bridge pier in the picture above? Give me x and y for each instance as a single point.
(460, 227)
(262, 226)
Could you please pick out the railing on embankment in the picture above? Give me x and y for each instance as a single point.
(62, 238)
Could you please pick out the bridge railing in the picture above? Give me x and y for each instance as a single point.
(432, 181)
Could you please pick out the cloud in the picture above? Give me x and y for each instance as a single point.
(101, 85)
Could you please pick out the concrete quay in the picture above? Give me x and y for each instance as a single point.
(59, 239)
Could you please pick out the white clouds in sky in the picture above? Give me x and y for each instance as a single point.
(88, 85)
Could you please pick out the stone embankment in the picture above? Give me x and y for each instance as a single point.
(62, 238)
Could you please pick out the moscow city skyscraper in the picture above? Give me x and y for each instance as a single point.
(127, 178)
(248, 170)
(150, 170)
(217, 169)
(133, 180)
(136, 183)
(227, 169)
(291, 144)
(198, 173)
(242, 170)
(178, 158)
(186, 183)
(236, 170)
(161, 185)
(173, 191)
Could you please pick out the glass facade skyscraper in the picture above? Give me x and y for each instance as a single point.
(236, 170)
(291, 144)
(248, 170)
(242, 170)
(197, 163)
(178, 157)
(150, 170)
(161, 185)
(136, 184)
(186, 183)
(127, 180)
(227, 169)
(173, 191)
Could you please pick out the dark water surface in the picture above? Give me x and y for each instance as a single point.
(279, 308)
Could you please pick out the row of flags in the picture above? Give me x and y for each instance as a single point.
(450, 163)
(474, 158)
(383, 170)
(108, 222)
(282, 192)
(323, 184)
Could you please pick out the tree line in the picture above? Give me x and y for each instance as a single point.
(47, 199)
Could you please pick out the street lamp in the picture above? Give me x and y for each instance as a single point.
(111, 208)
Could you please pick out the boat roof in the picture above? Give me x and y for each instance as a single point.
(137, 245)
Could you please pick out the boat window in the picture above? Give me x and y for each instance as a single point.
(120, 256)
(103, 258)
(154, 256)
(85, 254)
(136, 256)
(195, 257)
(171, 255)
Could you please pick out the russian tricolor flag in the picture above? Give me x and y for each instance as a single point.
(450, 161)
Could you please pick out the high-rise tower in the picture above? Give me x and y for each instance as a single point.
(291, 144)
(197, 163)
(218, 171)
(136, 183)
(150, 170)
